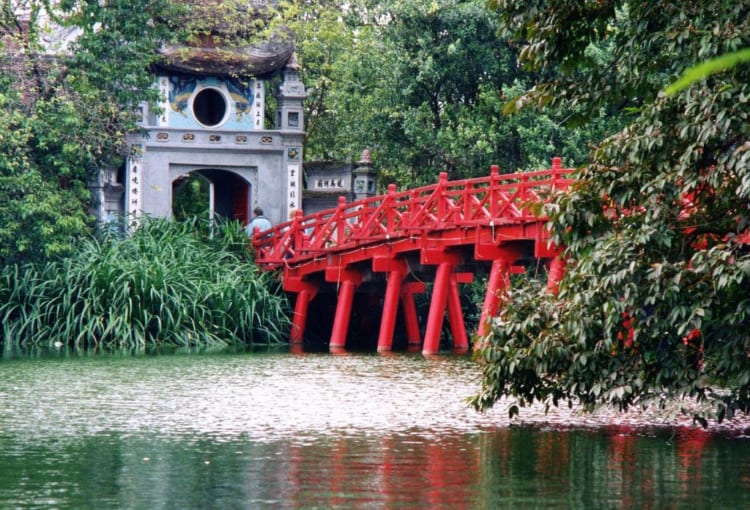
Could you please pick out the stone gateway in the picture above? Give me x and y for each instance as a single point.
(211, 124)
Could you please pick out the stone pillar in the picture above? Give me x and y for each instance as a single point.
(364, 177)
(291, 124)
(289, 112)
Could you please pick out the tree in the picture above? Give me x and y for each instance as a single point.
(68, 104)
(330, 38)
(654, 305)
(42, 205)
(422, 84)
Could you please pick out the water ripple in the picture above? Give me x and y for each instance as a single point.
(264, 397)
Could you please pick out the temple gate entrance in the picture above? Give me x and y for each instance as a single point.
(212, 194)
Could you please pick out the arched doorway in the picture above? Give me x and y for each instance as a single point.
(192, 197)
(211, 193)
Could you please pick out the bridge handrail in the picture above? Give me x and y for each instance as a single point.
(494, 199)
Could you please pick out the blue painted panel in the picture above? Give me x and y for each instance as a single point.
(183, 89)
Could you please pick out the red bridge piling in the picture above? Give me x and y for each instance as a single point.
(393, 294)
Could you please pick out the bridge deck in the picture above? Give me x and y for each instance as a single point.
(497, 218)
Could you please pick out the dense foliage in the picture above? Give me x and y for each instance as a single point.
(654, 304)
(65, 108)
(169, 283)
(43, 196)
(423, 84)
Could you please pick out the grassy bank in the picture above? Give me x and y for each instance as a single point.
(169, 283)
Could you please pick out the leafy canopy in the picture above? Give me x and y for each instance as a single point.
(422, 84)
(72, 74)
(654, 304)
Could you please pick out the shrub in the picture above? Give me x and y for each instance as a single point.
(169, 283)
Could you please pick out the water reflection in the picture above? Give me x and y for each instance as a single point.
(508, 468)
(319, 431)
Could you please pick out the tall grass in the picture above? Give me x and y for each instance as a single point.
(168, 283)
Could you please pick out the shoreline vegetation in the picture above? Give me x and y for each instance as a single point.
(169, 284)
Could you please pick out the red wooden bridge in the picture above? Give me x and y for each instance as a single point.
(387, 247)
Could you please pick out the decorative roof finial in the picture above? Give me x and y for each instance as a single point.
(365, 158)
(292, 64)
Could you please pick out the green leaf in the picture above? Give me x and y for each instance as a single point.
(703, 70)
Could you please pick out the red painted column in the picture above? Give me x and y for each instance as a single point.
(498, 281)
(305, 293)
(556, 273)
(390, 308)
(343, 314)
(437, 308)
(411, 321)
(456, 318)
(299, 320)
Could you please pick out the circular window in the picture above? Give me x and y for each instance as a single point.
(209, 107)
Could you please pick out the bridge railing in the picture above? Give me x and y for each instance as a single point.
(490, 200)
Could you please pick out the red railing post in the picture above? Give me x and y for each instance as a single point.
(468, 196)
(315, 231)
(523, 193)
(556, 171)
(494, 192)
(389, 212)
(297, 233)
(341, 221)
(362, 216)
(442, 204)
(413, 208)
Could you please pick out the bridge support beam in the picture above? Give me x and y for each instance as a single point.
(456, 318)
(306, 292)
(556, 272)
(390, 307)
(437, 308)
(498, 281)
(299, 320)
(343, 314)
(411, 320)
(398, 291)
(348, 280)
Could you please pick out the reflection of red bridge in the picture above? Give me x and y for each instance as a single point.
(390, 245)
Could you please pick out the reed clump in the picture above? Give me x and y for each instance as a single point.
(168, 283)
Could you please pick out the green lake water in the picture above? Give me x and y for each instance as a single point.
(279, 430)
